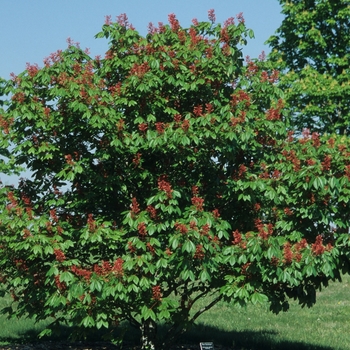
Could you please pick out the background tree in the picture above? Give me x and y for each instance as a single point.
(163, 173)
(312, 49)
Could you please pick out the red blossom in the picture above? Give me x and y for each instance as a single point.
(240, 17)
(122, 19)
(211, 15)
(152, 211)
(136, 159)
(199, 253)
(81, 272)
(237, 237)
(135, 208)
(185, 125)
(60, 257)
(216, 213)
(174, 23)
(168, 252)
(198, 203)
(326, 164)
(91, 223)
(32, 69)
(193, 225)
(118, 267)
(318, 248)
(316, 139)
(347, 171)
(143, 127)
(60, 285)
(165, 186)
(141, 227)
(205, 230)
(131, 247)
(152, 29)
(156, 293)
(288, 212)
(182, 228)
(265, 230)
(287, 253)
(160, 127)
(230, 21)
(150, 248)
(140, 69)
(108, 20)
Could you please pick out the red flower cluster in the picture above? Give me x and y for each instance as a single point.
(81, 272)
(118, 267)
(265, 230)
(60, 257)
(181, 227)
(136, 159)
(198, 203)
(141, 227)
(291, 156)
(326, 164)
(60, 285)
(205, 230)
(237, 237)
(240, 96)
(199, 253)
(288, 212)
(122, 19)
(32, 69)
(91, 223)
(240, 17)
(165, 186)
(198, 110)
(287, 253)
(216, 213)
(160, 127)
(143, 127)
(5, 124)
(347, 171)
(174, 23)
(318, 248)
(135, 208)
(152, 211)
(139, 69)
(185, 125)
(211, 15)
(156, 293)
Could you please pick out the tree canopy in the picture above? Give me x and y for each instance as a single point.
(162, 173)
(312, 49)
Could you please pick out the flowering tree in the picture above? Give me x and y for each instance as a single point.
(162, 174)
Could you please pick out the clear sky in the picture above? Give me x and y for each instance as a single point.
(31, 30)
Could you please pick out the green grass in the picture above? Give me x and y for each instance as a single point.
(323, 327)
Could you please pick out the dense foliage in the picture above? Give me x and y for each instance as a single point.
(312, 48)
(161, 174)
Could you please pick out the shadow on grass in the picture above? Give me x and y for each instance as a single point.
(245, 340)
(242, 340)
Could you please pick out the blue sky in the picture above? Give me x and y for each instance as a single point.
(31, 30)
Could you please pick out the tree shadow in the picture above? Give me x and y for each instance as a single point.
(245, 340)
(224, 340)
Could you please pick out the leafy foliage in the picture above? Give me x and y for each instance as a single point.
(312, 47)
(163, 173)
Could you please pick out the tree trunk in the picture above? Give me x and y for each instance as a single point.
(148, 335)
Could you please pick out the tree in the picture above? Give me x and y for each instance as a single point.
(312, 49)
(162, 174)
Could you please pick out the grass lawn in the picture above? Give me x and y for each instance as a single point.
(324, 327)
